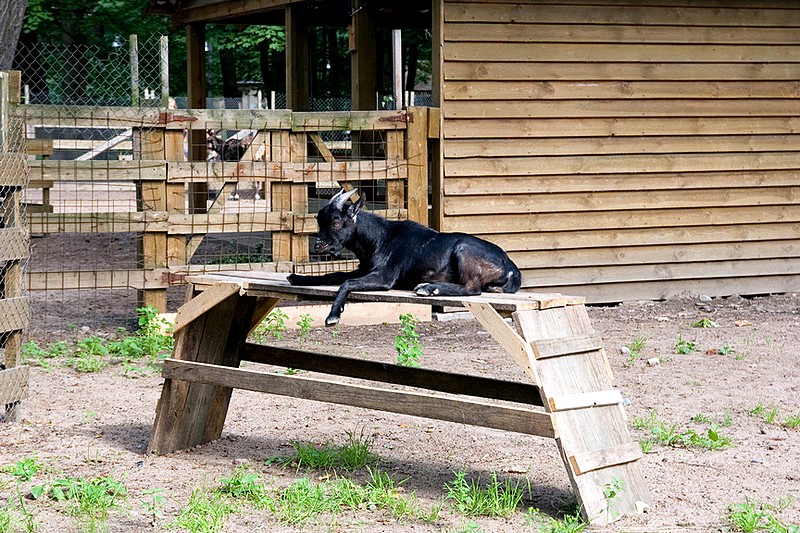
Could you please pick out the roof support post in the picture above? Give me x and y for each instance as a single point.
(196, 85)
(363, 58)
(297, 58)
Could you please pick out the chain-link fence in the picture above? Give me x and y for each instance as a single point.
(131, 73)
(14, 306)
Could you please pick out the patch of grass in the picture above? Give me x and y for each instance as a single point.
(495, 499)
(24, 469)
(792, 421)
(90, 500)
(705, 323)
(768, 413)
(354, 454)
(89, 355)
(750, 516)
(206, 512)
(407, 344)
(670, 435)
(684, 347)
(246, 484)
(569, 523)
(635, 349)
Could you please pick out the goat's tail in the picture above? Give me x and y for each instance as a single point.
(513, 279)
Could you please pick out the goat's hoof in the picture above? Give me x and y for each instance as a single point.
(424, 289)
(332, 320)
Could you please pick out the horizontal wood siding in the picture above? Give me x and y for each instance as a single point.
(626, 149)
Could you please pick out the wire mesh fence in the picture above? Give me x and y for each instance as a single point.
(14, 307)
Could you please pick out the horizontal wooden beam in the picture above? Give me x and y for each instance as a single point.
(582, 400)
(556, 347)
(422, 378)
(595, 460)
(14, 243)
(520, 420)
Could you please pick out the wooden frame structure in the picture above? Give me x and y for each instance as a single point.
(551, 340)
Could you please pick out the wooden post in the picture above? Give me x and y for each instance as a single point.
(290, 198)
(196, 72)
(363, 57)
(297, 58)
(416, 155)
(134, 58)
(189, 414)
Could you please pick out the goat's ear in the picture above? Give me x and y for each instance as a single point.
(353, 209)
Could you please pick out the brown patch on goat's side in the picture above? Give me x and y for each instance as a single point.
(476, 272)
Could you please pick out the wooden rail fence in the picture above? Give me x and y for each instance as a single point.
(164, 198)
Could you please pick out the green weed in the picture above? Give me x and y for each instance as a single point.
(89, 355)
(669, 434)
(153, 502)
(705, 323)
(409, 349)
(275, 323)
(684, 347)
(90, 499)
(495, 499)
(635, 350)
(206, 512)
(792, 421)
(768, 413)
(750, 516)
(305, 327)
(24, 469)
(354, 454)
(569, 523)
(246, 484)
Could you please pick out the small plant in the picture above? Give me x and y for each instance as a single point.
(305, 327)
(275, 323)
(768, 413)
(669, 434)
(684, 347)
(245, 484)
(206, 512)
(700, 418)
(496, 499)
(152, 341)
(792, 421)
(726, 350)
(409, 349)
(611, 494)
(634, 350)
(750, 516)
(705, 323)
(153, 503)
(24, 469)
(90, 499)
(356, 453)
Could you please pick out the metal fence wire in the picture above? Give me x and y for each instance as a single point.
(14, 307)
(130, 73)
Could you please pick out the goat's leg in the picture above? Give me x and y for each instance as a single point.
(374, 281)
(334, 278)
(444, 288)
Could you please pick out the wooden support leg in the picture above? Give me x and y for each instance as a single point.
(189, 414)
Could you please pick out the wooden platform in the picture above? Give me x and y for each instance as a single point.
(571, 397)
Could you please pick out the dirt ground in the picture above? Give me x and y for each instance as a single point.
(90, 425)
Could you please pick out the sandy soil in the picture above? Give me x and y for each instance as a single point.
(98, 424)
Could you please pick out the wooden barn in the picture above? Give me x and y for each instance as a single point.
(619, 149)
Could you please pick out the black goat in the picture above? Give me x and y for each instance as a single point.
(404, 255)
(229, 150)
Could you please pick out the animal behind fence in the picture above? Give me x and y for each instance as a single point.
(404, 255)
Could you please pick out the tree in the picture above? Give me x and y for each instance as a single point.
(12, 14)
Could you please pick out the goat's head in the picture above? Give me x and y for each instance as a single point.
(337, 223)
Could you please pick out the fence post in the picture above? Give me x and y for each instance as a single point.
(416, 155)
(134, 40)
(289, 197)
(164, 67)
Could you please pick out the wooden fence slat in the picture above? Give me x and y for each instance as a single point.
(13, 385)
(556, 347)
(582, 400)
(409, 403)
(588, 461)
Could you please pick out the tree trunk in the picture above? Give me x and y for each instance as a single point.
(230, 85)
(12, 13)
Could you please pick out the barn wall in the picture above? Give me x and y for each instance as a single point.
(624, 149)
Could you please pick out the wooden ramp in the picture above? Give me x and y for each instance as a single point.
(571, 397)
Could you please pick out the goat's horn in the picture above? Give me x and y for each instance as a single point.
(341, 197)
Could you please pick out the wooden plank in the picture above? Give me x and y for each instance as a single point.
(510, 127)
(564, 402)
(13, 385)
(321, 147)
(588, 461)
(617, 108)
(99, 171)
(204, 301)
(555, 347)
(574, 220)
(421, 378)
(508, 338)
(189, 414)
(634, 14)
(683, 144)
(416, 154)
(577, 71)
(520, 420)
(14, 314)
(564, 183)
(599, 33)
(96, 279)
(630, 90)
(12, 169)
(619, 200)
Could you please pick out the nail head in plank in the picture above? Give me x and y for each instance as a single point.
(583, 400)
(595, 460)
(558, 346)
